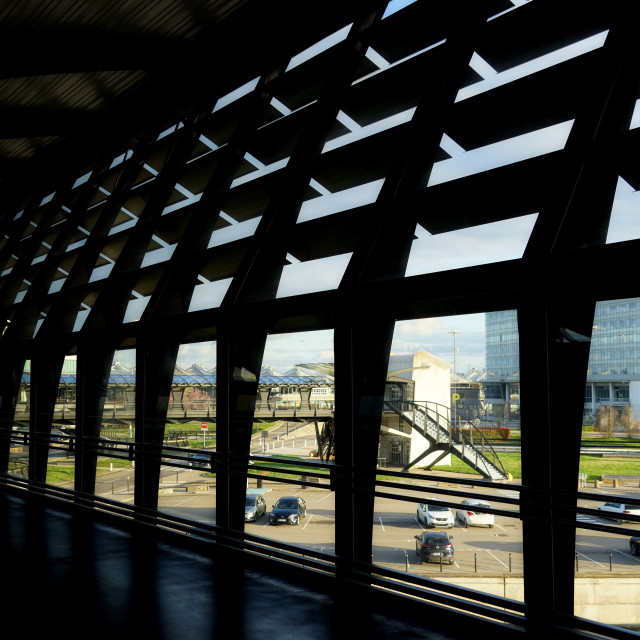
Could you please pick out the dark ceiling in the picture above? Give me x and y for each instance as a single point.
(78, 74)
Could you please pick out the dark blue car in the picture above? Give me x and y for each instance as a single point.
(288, 510)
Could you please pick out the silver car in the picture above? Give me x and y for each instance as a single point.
(619, 510)
(254, 506)
(433, 514)
(468, 516)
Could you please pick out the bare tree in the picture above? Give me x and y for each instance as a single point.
(196, 398)
(605, 419)
(629, 422)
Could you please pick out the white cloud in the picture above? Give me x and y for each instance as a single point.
(482, 244)
(502, 153)
(311, 276)
(341, 201)
(283, 351)
(203, 353)
(209, 295)
(434, 336)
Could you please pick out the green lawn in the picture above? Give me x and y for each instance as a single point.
(594, 466)
(510, 461)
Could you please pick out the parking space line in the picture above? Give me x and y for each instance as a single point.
(590, 559)
(498, 559)
(327, 496)
(383, 529)
(628, 555)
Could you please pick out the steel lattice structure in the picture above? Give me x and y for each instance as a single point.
(206, 176)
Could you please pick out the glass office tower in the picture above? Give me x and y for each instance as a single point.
(613, 375)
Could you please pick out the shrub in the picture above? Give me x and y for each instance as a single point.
(496, 433)
(492, 433)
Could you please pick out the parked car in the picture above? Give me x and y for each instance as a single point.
(434, 546)
(288, 510)
(57, 435)
(634, 545)
(468, 517)
(620, 510)
(433, 514)
(254, 506)
(198, 459)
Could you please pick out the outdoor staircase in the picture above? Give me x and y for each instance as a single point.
(448, 432)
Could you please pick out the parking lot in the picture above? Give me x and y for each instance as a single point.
(481, 550)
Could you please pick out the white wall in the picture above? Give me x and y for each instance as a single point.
(432, 379)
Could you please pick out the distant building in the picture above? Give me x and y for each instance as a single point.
(613, 374)
(502, 360)
(413, 377)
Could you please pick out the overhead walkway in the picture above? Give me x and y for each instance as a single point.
(103, 578)
(448, 432)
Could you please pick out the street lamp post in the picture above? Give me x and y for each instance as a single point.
(455, 332)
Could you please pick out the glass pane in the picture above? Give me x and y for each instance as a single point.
(469, 539)
(607, 568)
(114, 468)
(452, 397)
(606, 553)
(19, 452)
(61, 465)
(187, 482)
(288, 512)
(611, 415)
(441, 443)
(292, 446)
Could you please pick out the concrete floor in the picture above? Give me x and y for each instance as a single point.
(68, 576)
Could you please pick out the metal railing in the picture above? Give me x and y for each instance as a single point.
(445, 426)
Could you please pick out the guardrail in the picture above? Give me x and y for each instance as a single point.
(447, 427)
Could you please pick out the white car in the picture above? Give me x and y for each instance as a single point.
(467, 516)
(433, 514)
(620, 509)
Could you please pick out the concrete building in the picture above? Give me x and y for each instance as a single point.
(419, 378)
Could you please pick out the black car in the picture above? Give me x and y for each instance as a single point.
(634, 545)
(198, 459)
(288, 510)
(434, 546)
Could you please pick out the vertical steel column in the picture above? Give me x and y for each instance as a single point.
(95, 355)
(46, 368)
(240, 349)
(156, 353)
(10, 375)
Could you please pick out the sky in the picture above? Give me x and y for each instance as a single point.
(283, 351)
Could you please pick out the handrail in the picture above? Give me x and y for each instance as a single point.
(437, 412)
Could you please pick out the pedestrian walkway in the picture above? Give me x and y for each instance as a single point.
(106, 581)
(286, 438)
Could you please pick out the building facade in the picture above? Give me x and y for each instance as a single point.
(613, 374)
